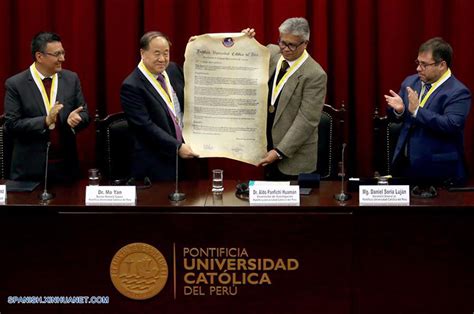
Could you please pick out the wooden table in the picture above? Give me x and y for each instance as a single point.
(351, 259)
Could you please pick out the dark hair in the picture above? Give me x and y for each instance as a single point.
(439, 48)
(39, 42)
(148, 37)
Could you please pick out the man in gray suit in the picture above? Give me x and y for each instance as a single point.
(45, 108)
(297, 91)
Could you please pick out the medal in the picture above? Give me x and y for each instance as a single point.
(271, 109)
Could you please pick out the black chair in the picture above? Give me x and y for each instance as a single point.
(114, 146)
(386, 134)
(329, 141)
(5, 150)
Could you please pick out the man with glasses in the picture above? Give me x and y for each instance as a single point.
(152, 98)
(297, 91)
(44, 109)
(433, 106)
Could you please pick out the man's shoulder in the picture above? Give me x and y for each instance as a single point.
(274, 53)
(274, 49)
(313, 66)
(19, 77)
(133, 77)
(68, 73)
(311, 70)
(411, 80)
(68, 77)
(457, 84)
(173, 66)
(174, 70)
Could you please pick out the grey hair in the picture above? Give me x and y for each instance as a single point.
(297, 26)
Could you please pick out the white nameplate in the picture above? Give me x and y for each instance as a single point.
(3, 194)
(273, 193)
(111, 195)
(384, 195)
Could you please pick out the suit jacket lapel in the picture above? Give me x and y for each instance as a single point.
(37, 98)
(60, 91)
(433, 96)
(153, 91)
(60, 97)
(288, 90)
(285, 94)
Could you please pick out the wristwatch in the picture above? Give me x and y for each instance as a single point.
(280, 156)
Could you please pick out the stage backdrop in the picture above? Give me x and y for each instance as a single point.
(366, 46)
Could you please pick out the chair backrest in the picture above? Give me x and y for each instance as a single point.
(114, 146)
(330, 134)
(5, 150)
(325, 145)
(385, 140)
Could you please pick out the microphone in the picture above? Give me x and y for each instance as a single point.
(176, 196)
(341, 197)
(45, 196)
(146, 183)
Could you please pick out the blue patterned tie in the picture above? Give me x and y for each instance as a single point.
(427, 89)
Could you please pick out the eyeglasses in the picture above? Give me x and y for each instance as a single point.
(56, 54)
(290, 46)
(423, 65)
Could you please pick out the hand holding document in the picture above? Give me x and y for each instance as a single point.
(226, 95)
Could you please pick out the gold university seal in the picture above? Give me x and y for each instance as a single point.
(139, 271)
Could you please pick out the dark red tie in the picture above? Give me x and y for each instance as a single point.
(47, 86)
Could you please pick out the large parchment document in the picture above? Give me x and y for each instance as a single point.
(225, 96)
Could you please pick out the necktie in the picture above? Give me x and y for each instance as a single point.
(177, 128)
(55, 150)
(161, 80)
(47, 86)
(272, 108)
(283, 68)
(427, 89)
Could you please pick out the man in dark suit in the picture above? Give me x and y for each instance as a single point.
(433, 106)
(297, 91)
(152, 98)
(44, 104)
